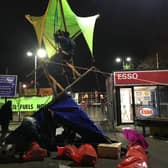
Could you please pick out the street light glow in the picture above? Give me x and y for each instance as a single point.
(128, 59)
(24, 86)
(41, 53)
(29, 54)
(126, 62)
(118, 59)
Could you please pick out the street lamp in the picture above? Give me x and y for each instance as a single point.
(126, 62)
(41, 53)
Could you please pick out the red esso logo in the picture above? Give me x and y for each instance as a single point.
(146, 112)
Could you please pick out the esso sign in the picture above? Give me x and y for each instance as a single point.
(146, 112)
(124, 76)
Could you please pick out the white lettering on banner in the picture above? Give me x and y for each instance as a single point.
(123, 76)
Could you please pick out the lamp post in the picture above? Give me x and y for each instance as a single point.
(41, 53)
(126, 62)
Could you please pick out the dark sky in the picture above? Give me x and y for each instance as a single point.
(126, 27)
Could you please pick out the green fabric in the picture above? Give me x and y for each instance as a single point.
(26, 104)
(52, 21)
(87, 25)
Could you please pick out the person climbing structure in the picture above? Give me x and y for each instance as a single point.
(65, 44)
(66, 51)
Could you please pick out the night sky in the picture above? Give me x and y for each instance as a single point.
(125, 27)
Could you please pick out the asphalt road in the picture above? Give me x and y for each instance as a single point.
(52, 162)
(157, 156)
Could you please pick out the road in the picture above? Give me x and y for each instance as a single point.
(157, 155)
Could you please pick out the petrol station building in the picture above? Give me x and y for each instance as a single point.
(137, 95)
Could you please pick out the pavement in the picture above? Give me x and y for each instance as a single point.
(157, 153)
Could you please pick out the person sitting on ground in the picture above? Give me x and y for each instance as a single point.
(24, 135)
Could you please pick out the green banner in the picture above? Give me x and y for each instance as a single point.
(26, 104)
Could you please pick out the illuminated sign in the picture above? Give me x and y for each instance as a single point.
(146, 112)
(30, 92)
(159, 77)
(8, 85)
(45, 91)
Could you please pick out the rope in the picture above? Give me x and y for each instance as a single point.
(55, 16)
(74, 69)
(83, 68)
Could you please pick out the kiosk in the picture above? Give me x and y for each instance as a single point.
(140, 97)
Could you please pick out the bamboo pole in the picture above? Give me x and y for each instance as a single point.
(56, 83)
(73, 69)
(63, 17)
(79, 78)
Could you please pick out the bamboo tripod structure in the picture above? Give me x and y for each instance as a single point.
(53, 82)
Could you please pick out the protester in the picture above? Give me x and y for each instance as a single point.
(5, 117)
(47, 129)
(66, 44)
(24, 135)
(66, 51)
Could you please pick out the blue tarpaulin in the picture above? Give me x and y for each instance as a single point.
(69, 113)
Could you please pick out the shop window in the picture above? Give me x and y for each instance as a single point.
(146, 102)
(163, 99)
